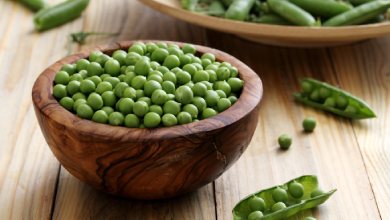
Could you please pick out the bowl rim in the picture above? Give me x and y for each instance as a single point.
(272, 31)
(47, 105)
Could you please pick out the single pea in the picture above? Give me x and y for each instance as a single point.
(128, 77)
(197, 62)
(120, 88)
(67, 102)
(120, 56)
(87, 86)
(192, 110)
(150, 87)
(169, 76)
(100, 116)
(309, 124)
(350, 109)
(123, 70)
(132, 121)
(199, 89)
(112, 67)
(95, 101)
(83, 73)
(226, 64)
(169, 87)
(113, 80)
(103, 87)
(317, 192)
(109, 98)
(205, 63)
(278, 206)
(256, 215)
(103, 76)
(126, 106)
(156, 72)
(309, 218)
(163, 69)
(284, 141)
(69, 68)
(139, 93)
(172, 107)
(208, 112)
(62, 77)
(341, 102)
(141, 44)
(171, 61)
(200, 76)
(315, 95)
(211, 98)
(95, 79)
(116, 118)
(183, 77)
(212, 67)
(296, 190)
(209, 56)
(138, 82)
(142, 67)
(200, 103)
(129, 92)
(159, 97)
(223, 104)
(307, 87)
(184, 59)
(235, 84)
(330, 102)
(169, 120)
(175, 51)
(157, 109)
(224, 86)
(190, 68)
(176, 70)
(108, 109)
(221, 93)
(102, 59)
(184, 95)
(212, 76)
(189, 48)
(162, 45)
(152, 120)
(73, 87)
(76, 77)
(82, 64)
(140, 108)
(209, 85)
(171, 97)
(94, 55)
(146, 99)
(233, 99)
(279, 195)
(132, 58)
(223, 73)
(184, 118)
(79, 95)
(150, 47)
(324, 93)
(94, 69)
(136, 49)
(84, 111)
(159, 55)
(257, 204)
(59, 91)
(154, 65)
(77, 103)
(155, 77)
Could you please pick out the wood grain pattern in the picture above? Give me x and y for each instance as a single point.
(29, 188)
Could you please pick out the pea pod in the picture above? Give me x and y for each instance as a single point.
(34, 5)
(239, 9)
(360, 14)
(309, 199)
(291, 12)
(272, 19)
(56, 15)
(189, 4)
(328, 8)
(359, 2)
(215, 8)
(329, 98)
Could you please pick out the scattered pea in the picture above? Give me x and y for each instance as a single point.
(284, 141)
(309, 124)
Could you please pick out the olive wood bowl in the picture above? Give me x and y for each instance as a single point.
(147, 163)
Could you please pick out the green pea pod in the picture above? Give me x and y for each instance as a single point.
(360, 14)
(329, 98)
(215, 8)
(227, 3)
(56, 15)
(359, 2)
(34, 5)
(189, 4)
(310, 184)
(291, 12)
(239, 9)
(272, 19)
(327, 8)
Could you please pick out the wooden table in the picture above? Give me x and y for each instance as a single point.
(352, 156)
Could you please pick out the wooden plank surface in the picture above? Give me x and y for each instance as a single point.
(351, 156)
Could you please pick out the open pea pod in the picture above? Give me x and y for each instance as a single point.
(324, 96)
(293, 205)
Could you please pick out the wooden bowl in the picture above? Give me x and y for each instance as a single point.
(292, 36)
(148, 163)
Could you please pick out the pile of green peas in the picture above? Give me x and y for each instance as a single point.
(150, 85)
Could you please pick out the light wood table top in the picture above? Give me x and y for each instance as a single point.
(352, 156)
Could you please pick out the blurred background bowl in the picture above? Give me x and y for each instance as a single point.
(148, 163)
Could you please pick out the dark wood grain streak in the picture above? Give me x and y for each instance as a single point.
(148, 163)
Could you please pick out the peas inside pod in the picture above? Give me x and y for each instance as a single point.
(149, 85)
(283, 201)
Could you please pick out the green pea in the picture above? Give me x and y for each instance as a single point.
(103, 87)
(136, 49)
(155, 77)
(138, 82)
(205, 63)
(284, 141)
(309, 218)
(172, 107)
(199, 89)
(62, 77)
(212, 67)
(108, 109)
(150, 47)
(59, 91)
(94, 69)
(233, 99)
(126, 106)
(112, 67)
(159, 97)
(183, 77)
(94, 55)
(279, 195)
(223, 104)
(73, 87)
(184, 118)
(223, 73)
(142, 67)
(256, 215)
(84, 111)
(350, 109)
(278, 206)
(67, 103)
(169, 120)
(87, 86)
(191, 109)
(151, 86)
(317, 192)
(159, 55)
(200, 103)
(257, 204)
(209, 85)
(113, 80)
(132, 121)
(235, 84)
(197, 62)
(324, 93)
(109, 98)
(176, 70)
(189, 48)
(157, 109)
(79, 95)
(171, 61)
(95, 79)
(129, 92)
(330, 102)
(95, 101)
(212, 76)
(104, 75)
(152, 120)
(233, 71)
(82, 64)
(315, 95)
(171, 97)
(120, 56)
(139, 93)
(175, 51)
(208, 112)
(211, 98)
(120, 88)
(163, 69)
(190, 68)
(140, 108)
(221, 93)
(309, 124)
(132, 58)
(102, 59)
(69, 68)
(169, 76)
(201, 75)
(100, 116)
(296, 190)
(146, 99)
(116, 119)
(76, 77)
(224, 86)
(307, 88)
(341, 102)
(77, 103)
(168, 87)
(184, 95)
(208, 56)
(184, 59)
